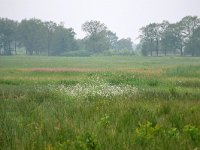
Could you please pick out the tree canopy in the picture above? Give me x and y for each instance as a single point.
(169, 38)
(37, 37)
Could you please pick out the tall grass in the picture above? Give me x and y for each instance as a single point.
(130, 108)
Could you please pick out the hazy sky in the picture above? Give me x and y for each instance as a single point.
(125, 17)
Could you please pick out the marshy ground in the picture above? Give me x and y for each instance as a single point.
(99, 103)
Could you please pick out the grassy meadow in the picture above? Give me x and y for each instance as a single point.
(101, 103)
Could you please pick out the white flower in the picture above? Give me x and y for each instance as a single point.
(96, 88)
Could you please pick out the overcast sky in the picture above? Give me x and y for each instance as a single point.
(125, 17)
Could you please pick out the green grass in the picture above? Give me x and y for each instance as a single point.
(99, 103)
(104, 62)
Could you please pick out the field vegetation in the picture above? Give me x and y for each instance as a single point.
(93, 103)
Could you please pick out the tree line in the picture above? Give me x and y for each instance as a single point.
(39, 37)
(180, 38)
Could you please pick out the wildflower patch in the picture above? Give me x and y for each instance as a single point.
(89, 89)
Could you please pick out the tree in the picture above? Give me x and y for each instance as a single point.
(172, 39)
(62, 41)
(125, 44)
(96, 39)
(194, 43)
(93, 27)
(32, 35)
(146, 47)
(150, 38)
(8, 35)
(50, 28)
(112, 39)
(189, 24)
(46, 37)
(163, 36)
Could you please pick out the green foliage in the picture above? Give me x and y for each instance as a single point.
(104, 121)
(173, 133)
(115, 52)
(78, 53)
(193, 132)
(90, 141)
(145, 133)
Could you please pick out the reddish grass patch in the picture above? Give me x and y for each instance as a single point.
(143, 71)
(61, 70)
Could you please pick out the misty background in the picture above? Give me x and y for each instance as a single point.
(85, 28)
(124, 17)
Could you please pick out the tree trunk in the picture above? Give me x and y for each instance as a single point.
(151, 47)
(31, 52)
(9, 48)
(157, 46)
(181, 50)
(193, 53)
(15, 47)
(37, 52)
